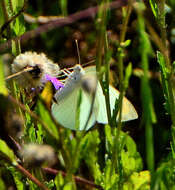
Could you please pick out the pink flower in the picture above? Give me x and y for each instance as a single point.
(57, 84)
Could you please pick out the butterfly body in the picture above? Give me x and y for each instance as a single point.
(72, 82)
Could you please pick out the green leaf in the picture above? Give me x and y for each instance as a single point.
(32, 186)
(140, 181)
(3, 89)
(17, 178)
(50, 184)
(7, 152)
(59, 181)
(2, 17)
(131, 145)
(35, 134)
(154, 7)
(164, 176)
(164, 75)
(110, 181)
(16, 4)
(109, 138)
(32, 134)
(63, 4)
(18, 27)
(126, 43)
(128, 73)
(68, 186)
(128, 163)
(89, 152)
(130, 158)
(40, 134)
(14, 49)
(47, 119)
(149, 116)
(161, 61)
(2, 184)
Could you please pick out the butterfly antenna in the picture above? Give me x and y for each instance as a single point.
(78, 51)
(88, 63)
(67, 72)
(19, 73)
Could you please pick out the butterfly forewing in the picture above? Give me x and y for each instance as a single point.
(65, 110)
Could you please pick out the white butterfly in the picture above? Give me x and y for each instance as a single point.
(64, 111)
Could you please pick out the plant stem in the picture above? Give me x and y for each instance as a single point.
(106, 88)
(120, 62)
(161, 21)
(162, 26)
(116, 158)
(6, 17)
(76, 178)
(147, 102)
(31, 177)
(102, 46)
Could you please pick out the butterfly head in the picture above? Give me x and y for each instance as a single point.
(76, 76)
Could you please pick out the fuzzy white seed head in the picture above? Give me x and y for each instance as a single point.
(41, 66)
(37, 155)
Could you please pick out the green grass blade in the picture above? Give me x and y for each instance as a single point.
(6, 152)
(149, 116)
(3, 89)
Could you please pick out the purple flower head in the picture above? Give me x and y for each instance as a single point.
(57, 84)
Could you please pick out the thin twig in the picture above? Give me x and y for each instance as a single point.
(76, 178)
(17, 145)
(116, 158)
(87, 13)
(40, 19)
(31, 177)
(19, 73)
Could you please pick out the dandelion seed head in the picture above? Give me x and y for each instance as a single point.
(37, 155)
(41, 66)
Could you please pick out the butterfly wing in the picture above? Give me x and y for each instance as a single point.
(90, 70)
(128, 110)
(64, 111)
(101, 115)
(85, 109)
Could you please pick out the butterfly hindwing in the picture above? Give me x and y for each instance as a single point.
(128, 110)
